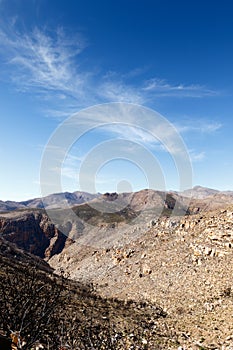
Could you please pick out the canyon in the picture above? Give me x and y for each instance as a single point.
(169, 249)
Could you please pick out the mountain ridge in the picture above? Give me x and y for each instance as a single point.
(64, 199)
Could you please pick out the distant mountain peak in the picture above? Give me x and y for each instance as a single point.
(199, 192)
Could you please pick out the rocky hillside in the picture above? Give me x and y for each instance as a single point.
(13, 256)
(103, 222)
(46, 311)
(183, 264)
(180, 260)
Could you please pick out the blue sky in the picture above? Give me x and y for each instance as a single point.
(58, 57)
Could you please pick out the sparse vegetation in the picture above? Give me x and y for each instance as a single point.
(55, 312)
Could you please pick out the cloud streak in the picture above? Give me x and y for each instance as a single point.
(199, 126)
(49, 62)
(43, 61)
(120, 92)
(160, 87)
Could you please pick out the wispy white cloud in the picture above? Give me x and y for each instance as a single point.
(199, 126)
(50, 63)
(134, 134)
(136, 124)
(149, 138)
(196, 156)
(119, 91)
(60, 112)
(115, 88)
(44, 61)
(211, 127)
(162, 88)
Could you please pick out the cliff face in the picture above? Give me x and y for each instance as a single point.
(33, 232)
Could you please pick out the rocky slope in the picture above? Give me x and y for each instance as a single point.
(54, 313)
(183, 264)
(104, 221)
(13, 256)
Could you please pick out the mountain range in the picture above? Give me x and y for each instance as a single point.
(59, 200)
(51, 201)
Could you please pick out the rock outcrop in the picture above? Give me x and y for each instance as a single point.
(32, 232)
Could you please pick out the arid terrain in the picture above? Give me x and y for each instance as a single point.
(161, 262)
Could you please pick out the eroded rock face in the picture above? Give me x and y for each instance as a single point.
(33, 232)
